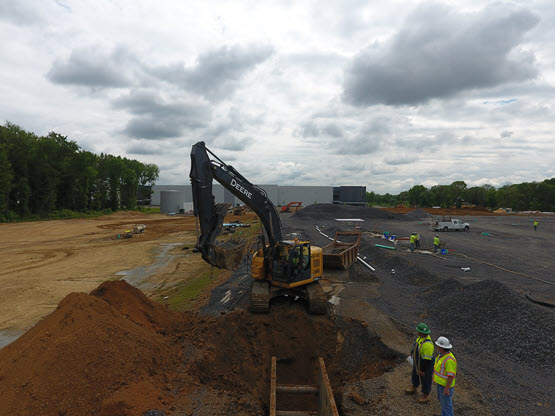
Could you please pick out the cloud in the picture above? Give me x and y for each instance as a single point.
(21, 13)
(143, 147)
(156, 117)
(506, 134)
(91, 67)
(438, 53)
(217, 73)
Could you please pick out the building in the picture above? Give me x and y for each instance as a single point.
(350, 195)
(279, 195)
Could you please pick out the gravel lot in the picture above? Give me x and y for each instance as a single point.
(504, 343)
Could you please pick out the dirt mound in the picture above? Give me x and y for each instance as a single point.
(115, 352)
(103, 354)
(493, 317)
(332, 211)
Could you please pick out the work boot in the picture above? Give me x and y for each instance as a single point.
(424, 399)
(410, 390)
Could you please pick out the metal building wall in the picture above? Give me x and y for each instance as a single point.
(279, 195)
(308, 195)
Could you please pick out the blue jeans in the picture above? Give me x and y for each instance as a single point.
(435, 248)
(412, 247)
(445, 401)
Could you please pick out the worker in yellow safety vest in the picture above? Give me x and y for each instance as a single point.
(536, 222)
(412, 242)
(422, 354)
(445, 373)
(436, 243)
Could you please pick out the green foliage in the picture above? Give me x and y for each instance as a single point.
(526, 196)
(52, 177)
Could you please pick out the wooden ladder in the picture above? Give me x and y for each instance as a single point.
(326, 402)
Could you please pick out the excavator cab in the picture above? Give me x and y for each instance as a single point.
(291, 263)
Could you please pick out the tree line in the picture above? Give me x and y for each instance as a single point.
(526, 196)
(42, 176)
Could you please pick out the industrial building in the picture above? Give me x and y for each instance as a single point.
(173, 198)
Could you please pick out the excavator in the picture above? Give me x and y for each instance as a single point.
(280, 267)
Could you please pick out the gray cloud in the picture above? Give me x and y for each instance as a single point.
(20, 13)
(158, 118)
(217, 73)
(506, 134)
(142, 147)
(92, 68)
(438, 53)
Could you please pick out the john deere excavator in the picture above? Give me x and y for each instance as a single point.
(279, 267)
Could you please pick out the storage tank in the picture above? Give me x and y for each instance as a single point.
(171, 201)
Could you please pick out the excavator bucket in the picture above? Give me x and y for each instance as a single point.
(229, 254)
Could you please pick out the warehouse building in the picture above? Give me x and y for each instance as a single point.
(177, 197)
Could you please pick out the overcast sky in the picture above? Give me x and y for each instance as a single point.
(386, 94)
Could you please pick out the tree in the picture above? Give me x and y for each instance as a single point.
(6, 178)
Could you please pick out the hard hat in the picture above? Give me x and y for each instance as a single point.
(423, 328)
(444, 343)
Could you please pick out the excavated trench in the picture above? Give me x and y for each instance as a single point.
(235, 352)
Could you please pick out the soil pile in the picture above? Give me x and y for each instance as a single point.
(108, 353)
(491, 316)
(115, 352)
(321, 212)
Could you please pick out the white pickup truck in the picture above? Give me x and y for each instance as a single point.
(446, 225)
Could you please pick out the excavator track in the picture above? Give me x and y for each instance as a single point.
(317, 299)
(260, 296)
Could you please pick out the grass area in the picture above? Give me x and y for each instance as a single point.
(181, 297)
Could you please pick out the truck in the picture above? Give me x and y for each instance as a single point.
(280, 266)
(447, 224)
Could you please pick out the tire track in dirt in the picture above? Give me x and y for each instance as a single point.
(46, 259)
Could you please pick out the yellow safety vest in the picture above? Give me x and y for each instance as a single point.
(446, 365)
(425, 347)
(535, 223)
(436, 241)
(412, 239)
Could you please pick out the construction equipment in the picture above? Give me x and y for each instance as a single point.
(239, 210)
(279, 267)
(342, 254)
(291, 206)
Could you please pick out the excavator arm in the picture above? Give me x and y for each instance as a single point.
(210, 215)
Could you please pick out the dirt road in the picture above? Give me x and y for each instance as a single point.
(45, 261)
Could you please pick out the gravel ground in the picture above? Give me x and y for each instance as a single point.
(504, 343)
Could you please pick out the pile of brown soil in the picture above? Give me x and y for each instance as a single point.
(107, 353)
(115, 352)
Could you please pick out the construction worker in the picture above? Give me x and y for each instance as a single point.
(536, 222)
(422, 363)
(412, 242)
(436, 243)
(445, 373)
(417, 240)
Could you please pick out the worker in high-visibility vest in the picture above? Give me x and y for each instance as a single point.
(536, 222)
(412, 242)
(445, 373)
(422, 354)
(436, 243)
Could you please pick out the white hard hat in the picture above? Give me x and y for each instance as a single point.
(444, 343)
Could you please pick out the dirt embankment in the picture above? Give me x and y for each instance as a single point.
(115, 352)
